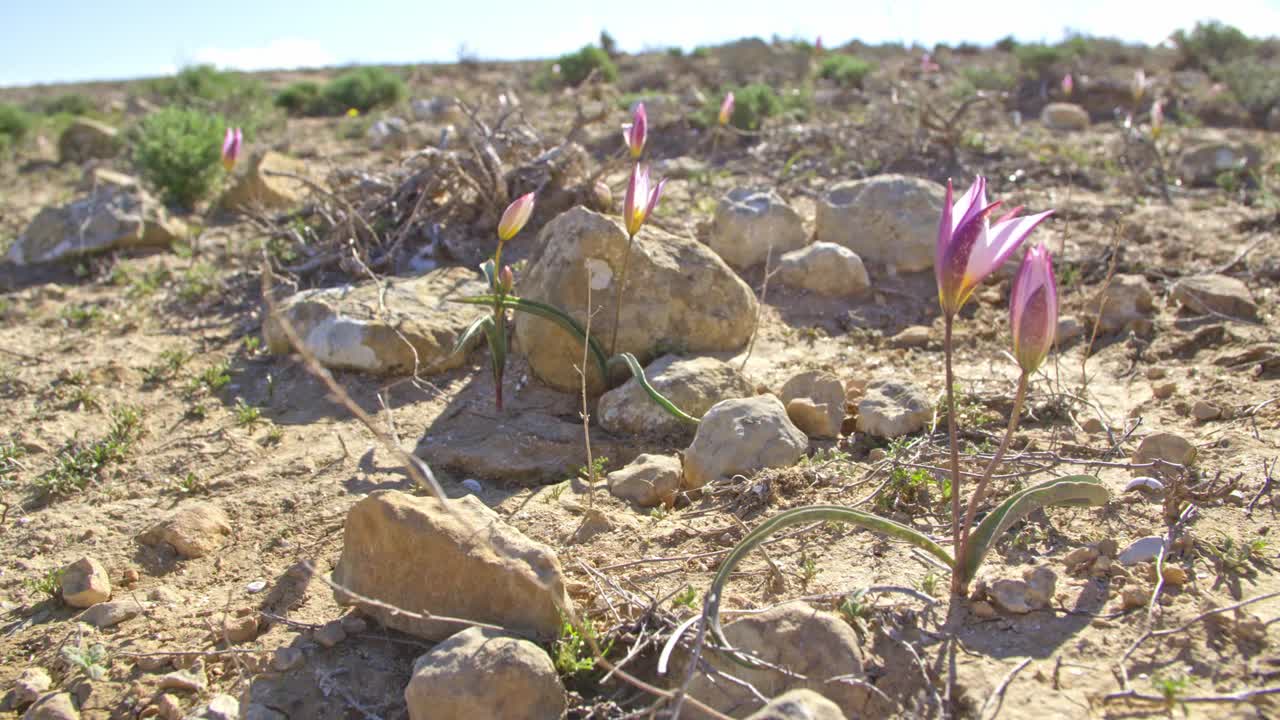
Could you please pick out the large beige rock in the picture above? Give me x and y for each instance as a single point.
(892, 408)
(1164, 446)
(886, 219)
(195, 530)
(648, 480)
(462, 561)
(748, 222)
(408, 325)
(108, 218)
(740, 437)
(85, 583)
(811, 643)
(679, 293)
(1216, 294)
(482, 673)
(1064, 116)
(1126, 304)
(799, 704)
(258, 187)
(54, 706)
(692, 384)
(1202, 164)
(825, 268)
(823, 413)
(86, 139)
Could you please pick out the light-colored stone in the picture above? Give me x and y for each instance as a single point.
(1141, 550)
(85, 583)
(1163, 446)
(195, 530)
(109, 218)
(1216, 295)
(30, 685)
(389, 133)
(891, 409)
(466, 562)
(823, 413)
(984, 610)
(887, 219)
(825, 268)
(54, 706)
(438, 110)
(482, 673)
(192, 679)
(740, 437)
(802, 704)
(239, 628)
(916, 336)
(648, 480)
(1205, 411)
(748, 222)
(1069, 329)
(812, 643)
(1064, 116)
(1126, 302)
(679, 293)
(346, 327)
(1202, 164)
(692, 384)
(86, 139)
(97, 177)
(1041, 582)
(169, 707)
(219, 707)
(111, 613)
(258, 187)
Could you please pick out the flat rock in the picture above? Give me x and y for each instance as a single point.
(891, 409)
(195, 530)
(740, 437)
(258, 188)
(812, 643)
(693, 384)
(825, 268)
(1202, 164)
(887, 219)
(86, 139)
(916, 336)
(219, 707)
(749, 222)
(799, 704)
(1064, 116)
(1163, 446)
(1216, 295)
(85, 583)
(108, 218)
(1126, 302)
(815, 403)
(466, 562)
(109, 614)
(1141, 550)
(679, 293)
(389, 133)
(192, 679)
(30, 685)
(409, 324)
(54, 706)
(482, 673)
(648, 480)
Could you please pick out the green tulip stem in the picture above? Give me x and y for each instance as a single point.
(955, 449)
(981, 491)
(617, 303)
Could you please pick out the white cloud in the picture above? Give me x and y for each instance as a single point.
(279, 54)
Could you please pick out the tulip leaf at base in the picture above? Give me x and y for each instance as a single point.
(638, 373)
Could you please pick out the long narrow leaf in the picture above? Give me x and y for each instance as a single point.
(638, 373)
(497, 337)
(479, 325)
(799, 516)
(1070, 490)
(547, 312)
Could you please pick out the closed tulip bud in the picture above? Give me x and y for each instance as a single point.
(1068, 84)
(1157, 118)
(726, 109)
(817, 44)
(231, 145)
(515, 216)
(970, 248)
(603, 196)
(1033, 309)
(1139, 84)
(642, 197)
(637, 131)
(506, 279)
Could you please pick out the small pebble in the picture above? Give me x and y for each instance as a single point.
(473, 486)
(1205, 411)
(1164, 391)
(256, 586)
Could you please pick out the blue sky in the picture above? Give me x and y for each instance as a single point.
(66, 40)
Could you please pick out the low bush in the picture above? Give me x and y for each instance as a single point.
(753, 104)
(1254, 83)
(362, 89)
(179, 152)
(240, 98)
(14, 125)
(1211, 43)
(845, 70)
(67, 103)
(299, 98)
(575, 67)
(1038, 61)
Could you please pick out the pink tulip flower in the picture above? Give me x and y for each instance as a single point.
(642, 198)
(1033, 309)
(231, 145)
(515, 216)
(636, 132)
(726, 109)
(1068, 84)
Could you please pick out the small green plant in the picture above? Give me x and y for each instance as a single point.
(301, 98)
(808, 569)
(855, 610)
(573, 68)
(1038, 61)
(11, 454)
(252, 344)
(80, 316)
(190, 484)
(1170, 687)
(929, 584)
(170, 362)
(659, 513)
(753, 104)
(67, 104)
(48, 585)
(845, 70)
(213, 378)
(198, 282)
(909, 491)
(687, 598)
(1234, 557)
(14, 125)
(555, 491)
(572, 653)
(247, 415)
(179, 151)
(240, 97)
(362, 89)
(92, 661)
(274, 436)
(78, 465)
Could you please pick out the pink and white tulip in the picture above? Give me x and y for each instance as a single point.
(1033, 309)
(1157, 118)
(231, 146)
(1068, 84)
(637, 131)
(515, 217)
(1139, 84)
(642, 197)
(970, 248)
(726, 109)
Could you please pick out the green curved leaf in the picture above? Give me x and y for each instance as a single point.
(496, 333)
(638, 373)
(1070, 490)
(477, 326)
(490, 274)
(548, 312)
(799, 516)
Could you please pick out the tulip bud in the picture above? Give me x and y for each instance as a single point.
(817, 44)
(1068, 84)
(726, 109)
(642, 198)
(1033, 309)
(231, 145)
(515, 216)
(506, 279)
(637, 131)
(603, 196)
(1157, 118)
(1139, 84)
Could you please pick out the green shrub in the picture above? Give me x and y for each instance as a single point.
(1210, 43)
(1254, 83)
(1006, 44)
(362, 88)
(242, 99)
(752, 105)
(1039, 60)
(179, 151)
(68, 103)
(845, 70)
(991, 79)
(14, 124)
(300, 98)
(576, 66)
